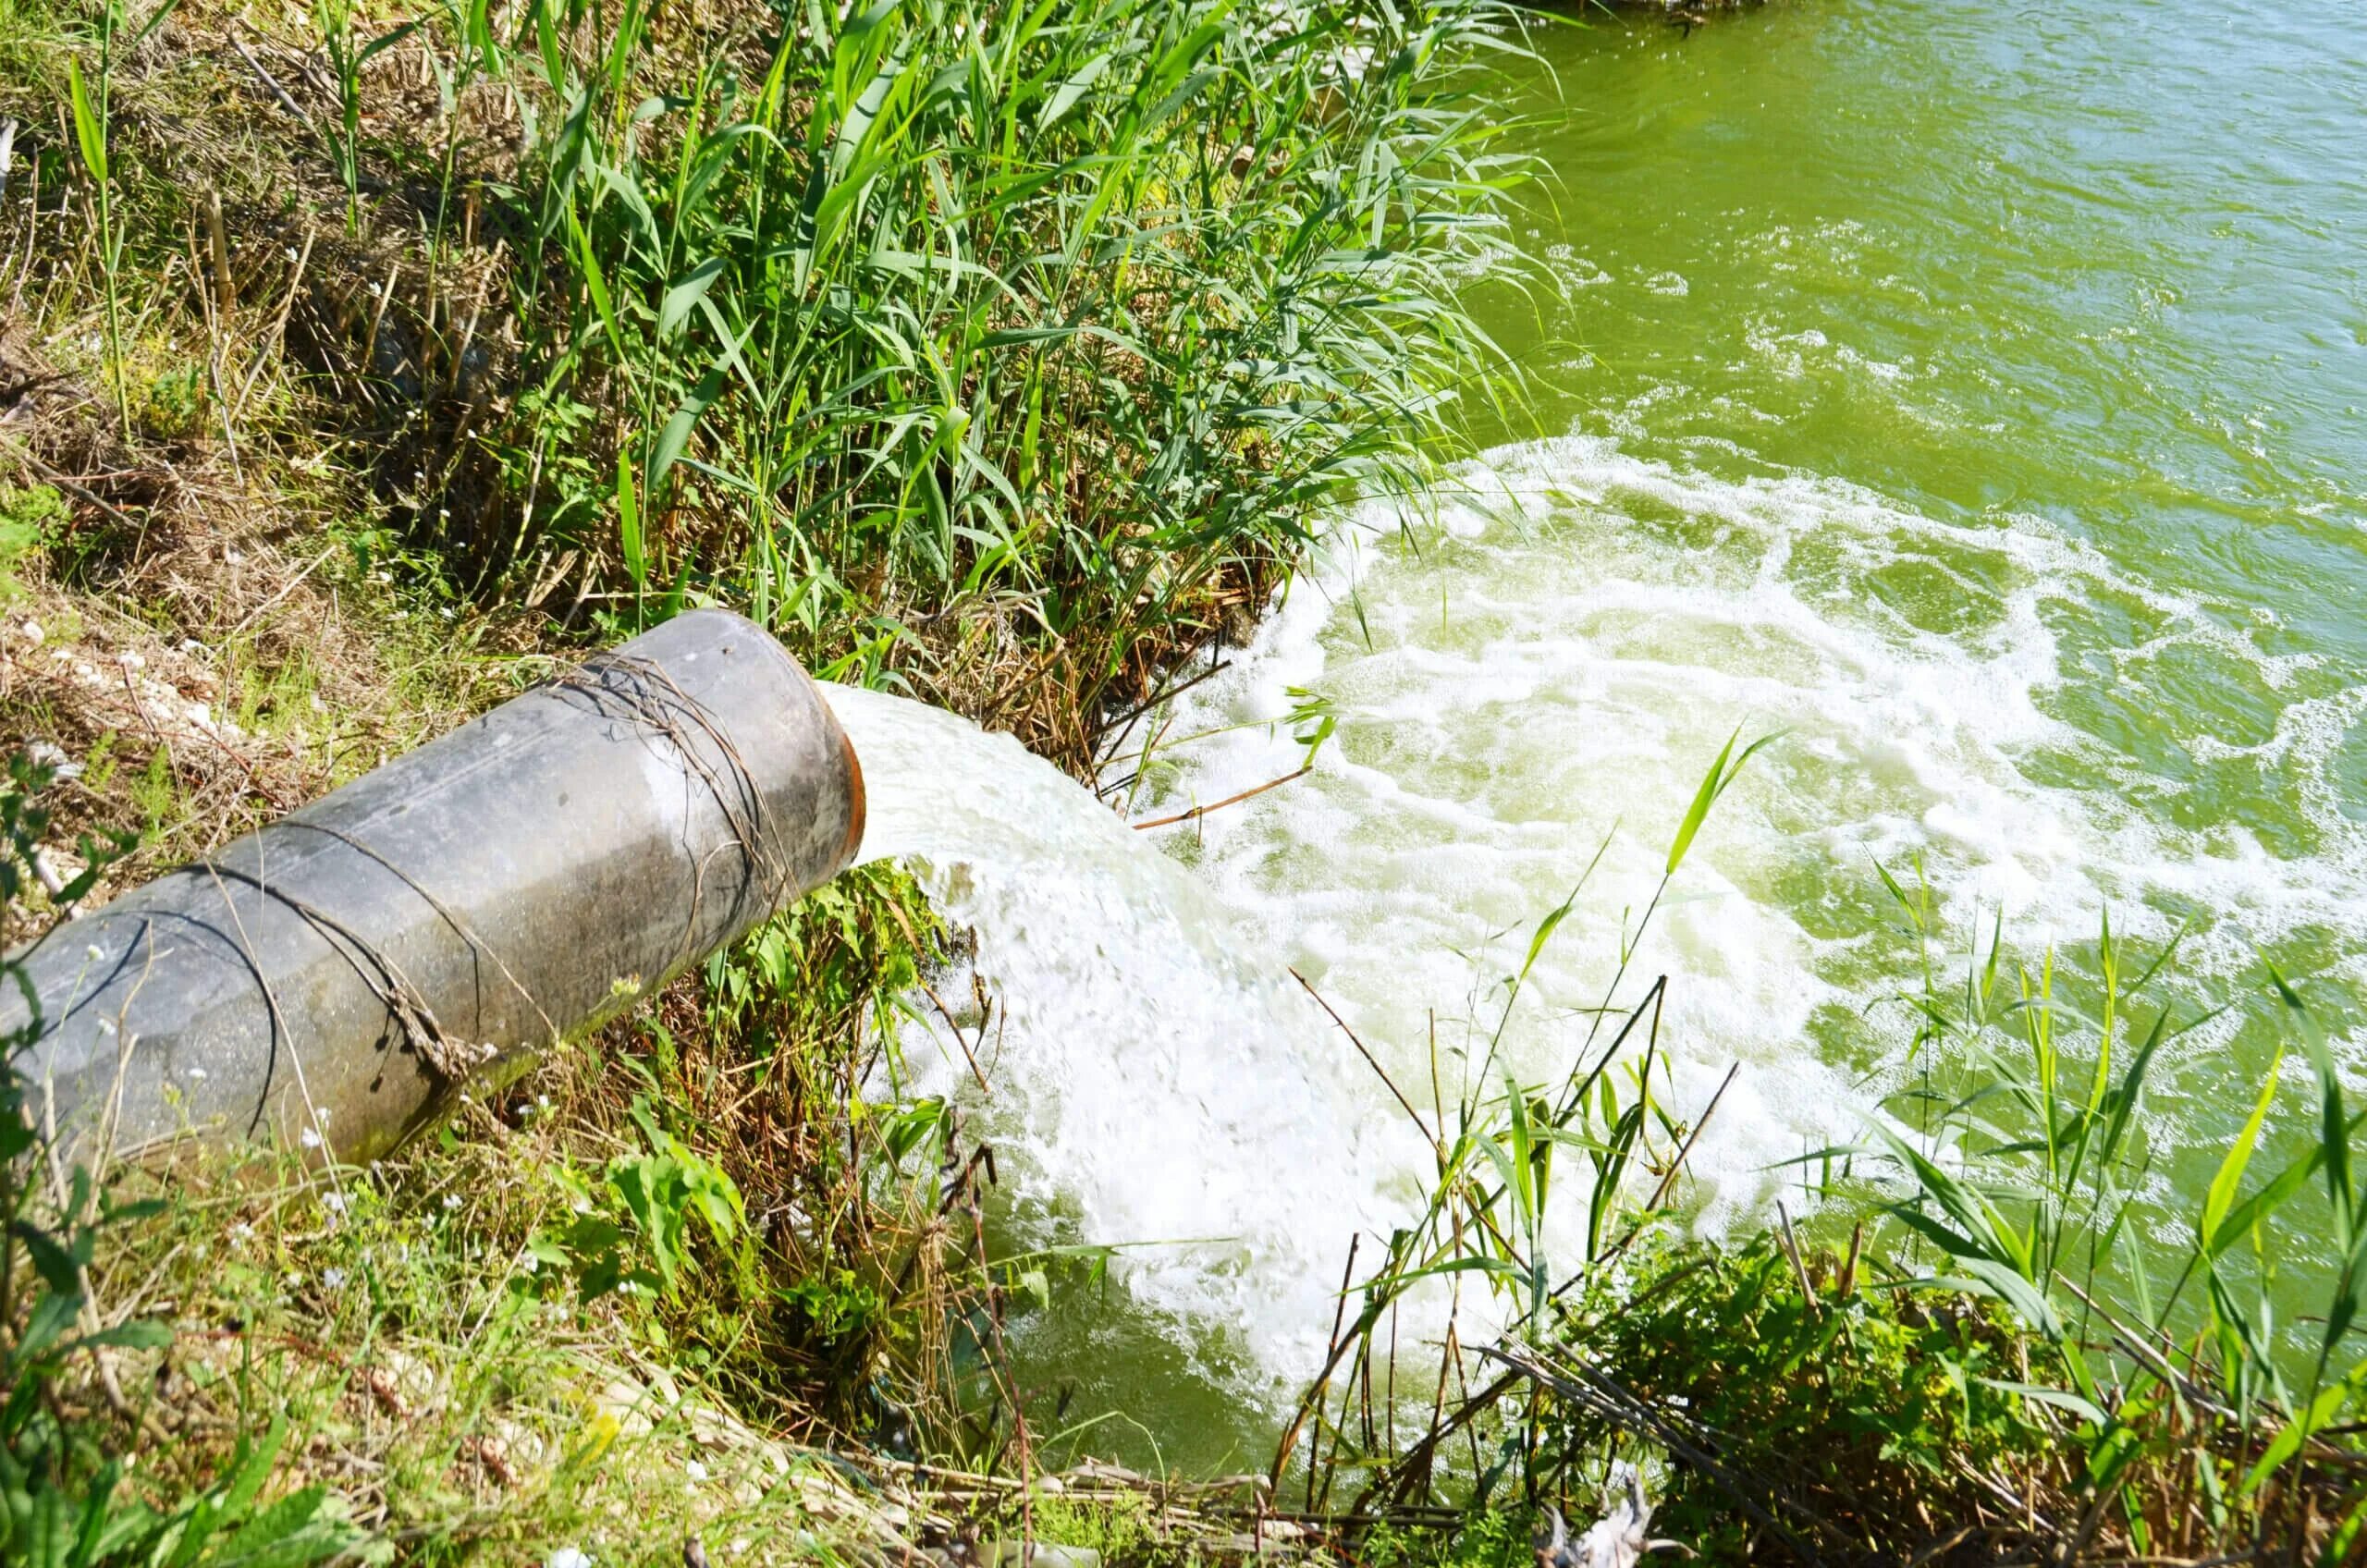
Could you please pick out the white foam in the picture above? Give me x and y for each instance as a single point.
(1153, 1082)
(1608, 620)
(1555, 659)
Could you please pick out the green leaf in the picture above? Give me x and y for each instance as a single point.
(1713, 784)
(597, 284)
(1080, 82)
(385, 42)
(2288, 1442)
(87, 129)
(676, 307)
(1989, 1278)
(2062, 1399)
(677, 433)
(60, 1267)
(156, 19)
(1544, 934)
(2269, 1199)
(2221, 1195)
(629, 520)
(128, 1336)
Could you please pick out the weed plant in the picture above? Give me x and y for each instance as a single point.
(1003, 349)
(1060, 320)
(1977, 1348)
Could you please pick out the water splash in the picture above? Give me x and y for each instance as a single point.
(1159, 1077)
(1152, 1079)
(1545, 679)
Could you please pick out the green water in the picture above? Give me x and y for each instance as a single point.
(2081, 270)
(1976, 394)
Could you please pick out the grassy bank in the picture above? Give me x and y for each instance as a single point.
(362, 364)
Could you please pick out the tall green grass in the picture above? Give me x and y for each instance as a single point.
(1068, 314)
(1007, 345)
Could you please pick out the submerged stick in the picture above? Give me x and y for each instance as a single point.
(1321, 1384)
(1229, 800)
(1369, 1061)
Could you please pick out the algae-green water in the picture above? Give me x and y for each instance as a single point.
(1976, 394)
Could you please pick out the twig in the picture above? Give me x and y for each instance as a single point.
(1800, 1269)
(279, 326)
(1607, 1400)
(286, 588)
(2134, 1343)
(377, 318)
(913, 939)
(226, 289)
(1118, 725)
(270, 81)
(1228, 801)
(946, 1013)
(1313, 1400)
(50, 475)
(1676, 1166)
(1420, 1125)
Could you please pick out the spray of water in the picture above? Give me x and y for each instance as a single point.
(1151, 1072)
(1533, 691)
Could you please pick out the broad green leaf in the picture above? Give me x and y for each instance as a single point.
(2221, 1195)
(2062, 1399)
(677, 433)
(1079, 83)
(597, 285)
(629, 520)
(87, 129)
(1713, 784)
(2288, 1442)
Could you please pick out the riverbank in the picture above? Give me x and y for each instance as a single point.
(366, 365)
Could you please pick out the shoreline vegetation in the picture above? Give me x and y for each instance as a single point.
(365, 361)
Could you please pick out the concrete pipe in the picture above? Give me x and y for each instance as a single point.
(451, 913)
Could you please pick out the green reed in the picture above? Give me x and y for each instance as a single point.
(1984, 1335)
(1485, 1210)
(1059, 309)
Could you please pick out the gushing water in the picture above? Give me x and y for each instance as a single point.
(1149, 1073)
(1524, 706)
(1159, 1077)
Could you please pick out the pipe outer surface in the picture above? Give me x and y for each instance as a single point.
(332, 976)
